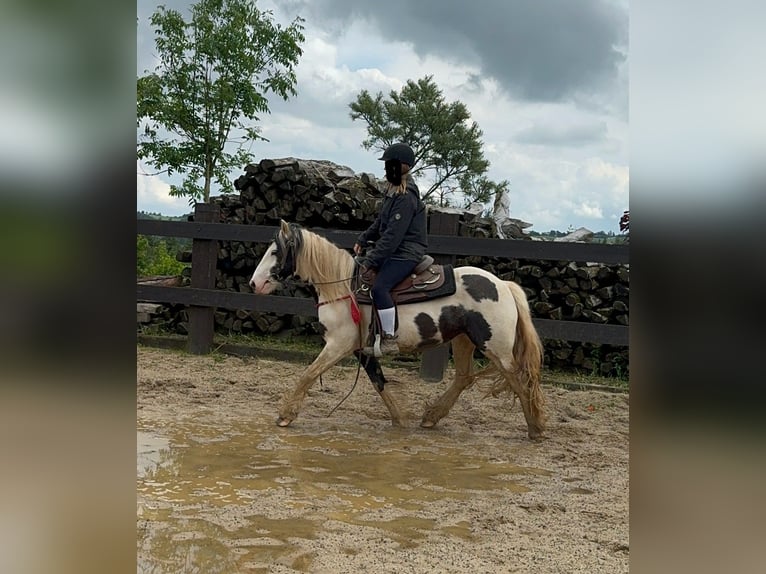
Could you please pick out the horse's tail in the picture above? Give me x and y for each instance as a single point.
(528, 352)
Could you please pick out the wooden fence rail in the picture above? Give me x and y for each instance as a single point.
(437, 244)
(202, 298)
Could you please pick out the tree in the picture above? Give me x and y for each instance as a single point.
(155, 258)
(447, 147)
(209, 88)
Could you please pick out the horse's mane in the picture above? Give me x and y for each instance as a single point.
(325, 265)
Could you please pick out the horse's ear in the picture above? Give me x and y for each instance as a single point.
(284, 227)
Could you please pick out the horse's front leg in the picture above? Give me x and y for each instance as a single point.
(292, 401)
(375, 373)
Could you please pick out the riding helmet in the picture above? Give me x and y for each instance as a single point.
(400, 151)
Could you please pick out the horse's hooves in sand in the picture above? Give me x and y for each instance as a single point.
(283, 422)
(427, 424)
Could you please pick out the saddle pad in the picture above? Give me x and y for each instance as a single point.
(407, 292)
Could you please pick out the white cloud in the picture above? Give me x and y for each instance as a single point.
(615, 178)
(153, 194)
(589, 210)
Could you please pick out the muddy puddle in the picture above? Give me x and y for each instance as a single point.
(231, 497)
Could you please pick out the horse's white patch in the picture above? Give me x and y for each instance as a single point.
(261, 281)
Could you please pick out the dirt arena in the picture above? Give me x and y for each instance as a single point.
(221, 488)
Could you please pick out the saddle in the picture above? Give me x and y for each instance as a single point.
(427, 281)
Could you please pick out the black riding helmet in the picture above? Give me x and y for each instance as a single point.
(400, 151)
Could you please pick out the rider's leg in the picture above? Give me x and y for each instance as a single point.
(389, 275)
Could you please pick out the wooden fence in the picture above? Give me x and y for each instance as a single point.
(202, 298)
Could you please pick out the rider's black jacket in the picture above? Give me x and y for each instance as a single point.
(399, 231)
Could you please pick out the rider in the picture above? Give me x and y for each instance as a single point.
(400, 236)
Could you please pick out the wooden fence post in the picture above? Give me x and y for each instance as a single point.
(204, 262)
(434, 361)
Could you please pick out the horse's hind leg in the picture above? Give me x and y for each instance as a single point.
(462, 354)
(530, 404)
(292, 401)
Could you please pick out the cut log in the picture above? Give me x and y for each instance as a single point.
(160, 280)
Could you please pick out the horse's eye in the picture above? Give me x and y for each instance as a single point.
(274, 253)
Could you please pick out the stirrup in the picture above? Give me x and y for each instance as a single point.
(376, 351)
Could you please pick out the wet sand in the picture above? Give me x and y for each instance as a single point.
(221, 488)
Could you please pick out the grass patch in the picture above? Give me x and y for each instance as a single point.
(584, 381)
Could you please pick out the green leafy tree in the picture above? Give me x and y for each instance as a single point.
(447, 145)
(155, 257)
(210, 87)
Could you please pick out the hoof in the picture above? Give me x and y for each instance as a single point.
(537, 436)
(281, 422)
(427, 424)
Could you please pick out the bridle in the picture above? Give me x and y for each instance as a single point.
(287, 251)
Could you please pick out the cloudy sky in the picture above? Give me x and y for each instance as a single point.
(547, 82)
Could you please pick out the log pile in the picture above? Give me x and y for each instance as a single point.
(321, 194)
(308, 192)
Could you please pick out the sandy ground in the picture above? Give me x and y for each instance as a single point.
(220, 488)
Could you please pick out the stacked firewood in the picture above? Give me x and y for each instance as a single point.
(311, 193)
(320, 194)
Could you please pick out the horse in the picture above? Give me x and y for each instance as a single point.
(485, 313)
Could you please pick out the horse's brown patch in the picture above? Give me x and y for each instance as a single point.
(456, 319)
(479, 287)
(427, 329)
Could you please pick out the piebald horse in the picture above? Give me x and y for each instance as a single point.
(485, 312)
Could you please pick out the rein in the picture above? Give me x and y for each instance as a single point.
(349, 296)
(356, 316)
(356, 313)
(343, 400)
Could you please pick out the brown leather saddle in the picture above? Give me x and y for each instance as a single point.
(427, 281)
